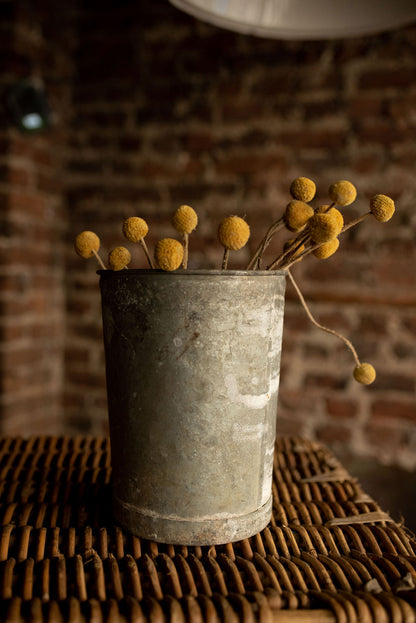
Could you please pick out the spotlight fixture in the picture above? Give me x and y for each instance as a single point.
(303, 19)
(28, 107)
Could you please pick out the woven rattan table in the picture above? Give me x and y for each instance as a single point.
(329, 554)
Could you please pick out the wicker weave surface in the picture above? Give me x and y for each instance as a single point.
(329, 554)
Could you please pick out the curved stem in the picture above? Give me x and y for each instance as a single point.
(298, 242)
(317, 324)
(256, 259)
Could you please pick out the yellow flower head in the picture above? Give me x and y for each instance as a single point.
(86, 243)
(337, 216)
(382, 208)
(303, 189)
(135, 228)
(169, 254)
(119, 258)
(297, 214)
(324, 227)
(335, 213)
(342, 193)
(185, 219)
(233, 233)
(326, 249)
(364, 374)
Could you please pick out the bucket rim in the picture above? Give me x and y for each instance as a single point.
(120, 274)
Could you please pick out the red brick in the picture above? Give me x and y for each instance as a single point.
(385, 78)
(321, 138)
(394, 410)
(383, 132)
(199, 142)
(296, 320)
(342, 407)
(404, 350)
(324, 381)
(155, 169)
(317, 351)
(242, 111)
(331, 433)
(373, 323)
(83, 379)
(383, 436)
(396, 272)
(33, 203)
(289, 426)
(250, 163)
(365, 105)
(295, 400)
(367, 163)
(130, 143)
(76, 356)
(334, 320)
(387, 381)
(410, 324)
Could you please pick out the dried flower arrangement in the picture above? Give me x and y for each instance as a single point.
(316, 230)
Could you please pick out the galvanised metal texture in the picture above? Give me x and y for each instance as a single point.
(192, 362)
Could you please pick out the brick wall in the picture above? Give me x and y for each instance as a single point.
(33, 224)
(167, 110)
(170, 111)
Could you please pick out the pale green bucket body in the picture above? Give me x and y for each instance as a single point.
(193, 362)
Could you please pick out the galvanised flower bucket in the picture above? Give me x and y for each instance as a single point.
(192, 362)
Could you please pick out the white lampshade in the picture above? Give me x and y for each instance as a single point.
(303, 19)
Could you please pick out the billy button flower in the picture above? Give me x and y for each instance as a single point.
(326, 249)
(364, 373)
(336, 214)
(185, 221)
(169, 254)
(297, 214)
(382, 208)
(87, 244)
(303, 189)
(135, 229)
(233, 234)
(325, 226)
(119, 258)
(343, 193)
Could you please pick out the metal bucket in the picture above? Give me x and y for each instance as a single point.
(192, 363)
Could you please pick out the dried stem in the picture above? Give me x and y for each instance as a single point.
(225, 259)
(146, 251)
(355, 221)
(332, 205)
(185, 240)
(101, 263)
(320, 326)
(301, 255)
(316, 246)
(255, 261)
(297, 243)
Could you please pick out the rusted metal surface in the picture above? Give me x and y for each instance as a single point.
(192, 361)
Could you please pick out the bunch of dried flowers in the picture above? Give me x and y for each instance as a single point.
(316, 230)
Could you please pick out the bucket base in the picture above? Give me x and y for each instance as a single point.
(191, 532)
